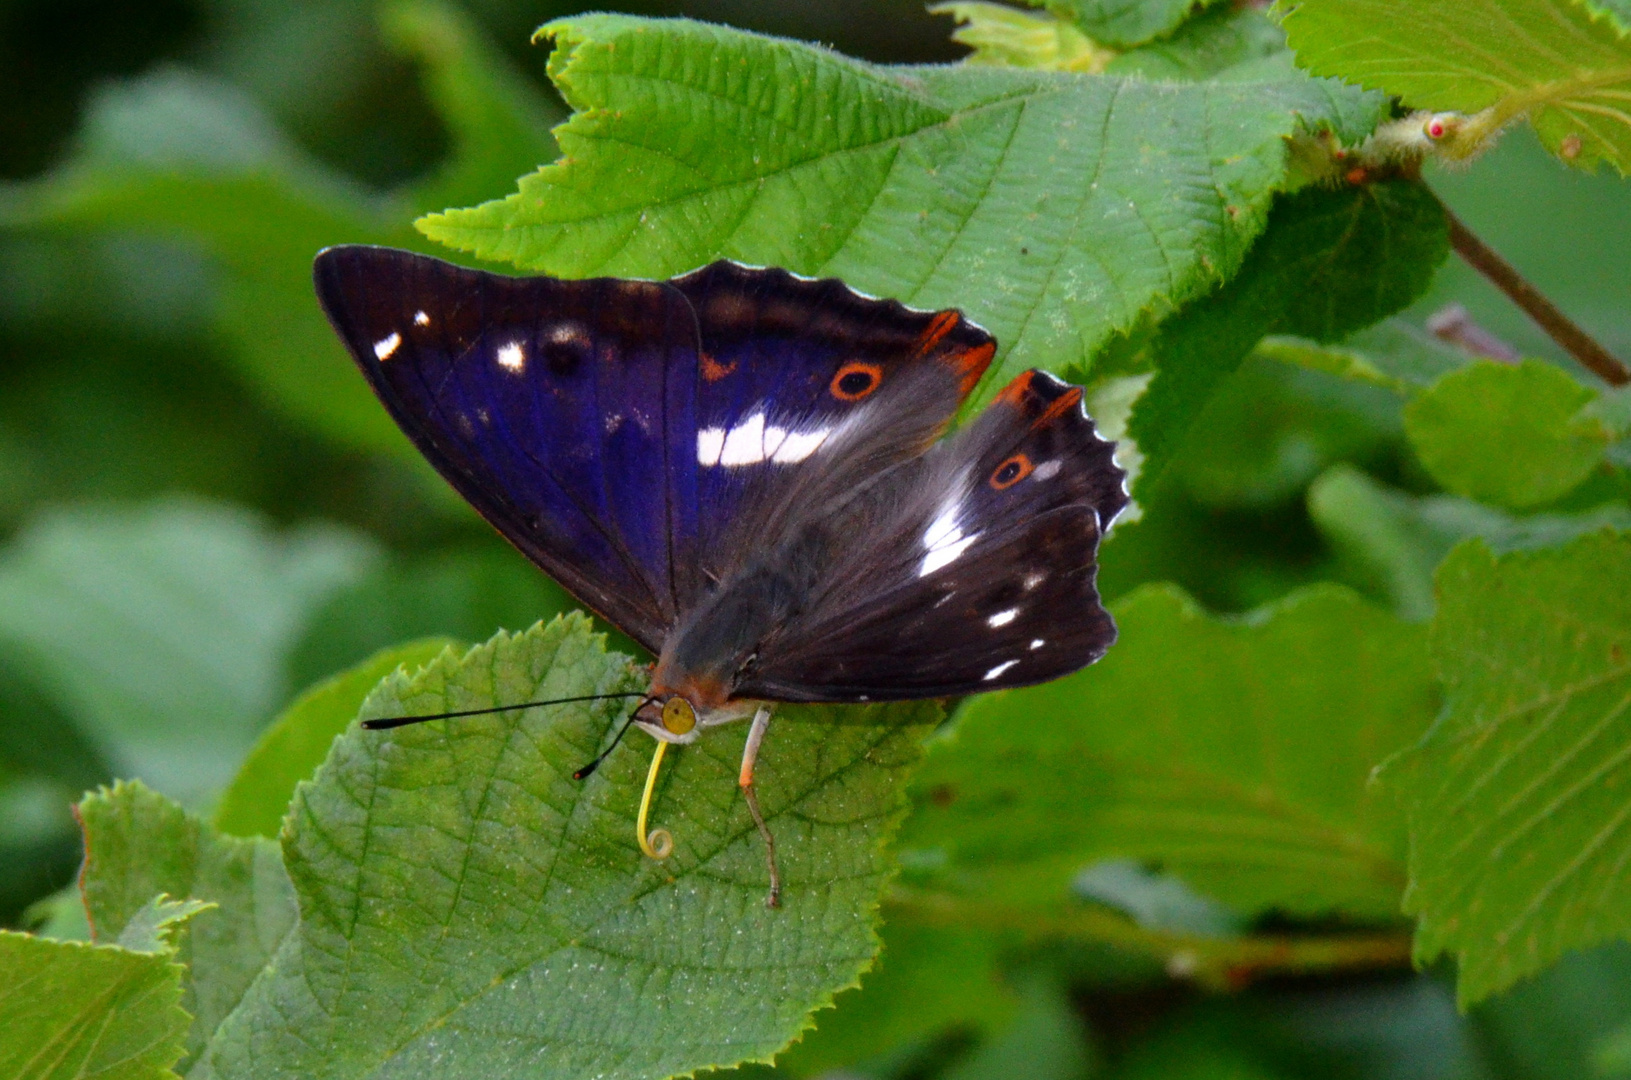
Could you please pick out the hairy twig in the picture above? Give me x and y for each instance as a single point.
(1563, 330)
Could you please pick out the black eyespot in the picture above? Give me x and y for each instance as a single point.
(1011, 472)
(855, 381)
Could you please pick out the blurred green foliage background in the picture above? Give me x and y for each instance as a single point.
(202, 512)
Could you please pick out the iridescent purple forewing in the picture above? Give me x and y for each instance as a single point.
(640, 440)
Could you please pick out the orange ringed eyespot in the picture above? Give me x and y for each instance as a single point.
(855, 380)
(1011, 472)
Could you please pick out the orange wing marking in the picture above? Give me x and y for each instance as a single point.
(713, 370)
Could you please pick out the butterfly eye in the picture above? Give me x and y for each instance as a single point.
(1011, 472)
(855, 381)
(678, 716)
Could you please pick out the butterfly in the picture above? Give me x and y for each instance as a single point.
(748, 473)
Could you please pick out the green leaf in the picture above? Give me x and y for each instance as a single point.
(928, 981)
(182, 155)
(152, 928)
(1218, 42)
(1392, 354)
(1046, 1041)
(1125, 23)
(1057, 209)
(138, 843)
(290, 750)
(463, 592)
(1268, 431)
(498, 120)
(163, 628)
(1563, 64)
(1393, 542)
(1190, 745)
(74, 1010)
(1514, 436)
(1330, 262)
(1006, 36)
(1516, 796)
(466, 905)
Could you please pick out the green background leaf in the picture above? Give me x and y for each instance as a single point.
(1517, 796)
(1393, 542)
(1192, 744)
(1330, 262)
(1057, 209)
(537, 931)
(178, 153)
(74, 1010)
(164, 631)
(1124, 22)
(138, 843)
(296, 743)
(1514, 436)
(1564, 64)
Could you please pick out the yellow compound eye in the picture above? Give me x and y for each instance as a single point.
(678, 716)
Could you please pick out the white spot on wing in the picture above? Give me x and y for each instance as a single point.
(1046, 471)
(385, 346)
(566, 333)
(1032, 580)
(511, 356)
(943, 540)
(753, 441)
(1002, 618)
(421, 319)
(798, 445)
(745, 443)
(710, 441)
(999, 669)
(1037, 643)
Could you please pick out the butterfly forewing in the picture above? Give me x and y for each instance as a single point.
(541, 401)
(639, 440)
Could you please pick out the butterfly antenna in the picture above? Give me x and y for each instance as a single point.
(584, 772)
(385, 723)
(659, 843)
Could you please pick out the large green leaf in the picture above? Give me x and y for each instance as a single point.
(1515, 436)
(186, 156)
(290, 750)
(138, 843)
(1517, 796)
(1392, 542)
(74, 1010)
(466, 906)
(163, 628)
(1234, 753)
(1055, 208)
(1331, 261)
(1564, 64)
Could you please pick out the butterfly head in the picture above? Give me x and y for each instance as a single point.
(668, 718)
(679, 714)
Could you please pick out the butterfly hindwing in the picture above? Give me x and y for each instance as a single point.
(975, 571)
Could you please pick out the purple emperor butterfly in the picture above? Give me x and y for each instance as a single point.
(744, 471)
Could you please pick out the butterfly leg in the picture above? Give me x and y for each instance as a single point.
(750, 754)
